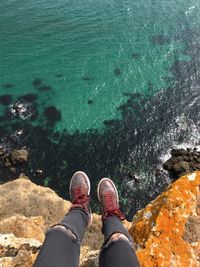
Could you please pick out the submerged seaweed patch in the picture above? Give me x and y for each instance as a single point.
(150, 87)
(117, 72)
(134, 96)
(8, 85)
(37, 82)
(86, 78)
(52, 114)
(90, 102)
(44, 88)
(59, 75)
(29, 97)
(6, 99)
(135, 55)
(159, 40)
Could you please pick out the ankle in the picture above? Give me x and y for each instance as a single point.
(114, 212)
(83, 210)
(79, 207)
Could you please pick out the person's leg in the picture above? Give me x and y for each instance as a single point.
(118, 246)
(117, 249)
(61, 247)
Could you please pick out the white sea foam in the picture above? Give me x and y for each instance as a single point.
(190, 9)
(194, 136)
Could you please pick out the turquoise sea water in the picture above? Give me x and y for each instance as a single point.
(76, 47)
(107, 87)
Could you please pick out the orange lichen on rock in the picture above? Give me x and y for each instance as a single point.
(161, 231)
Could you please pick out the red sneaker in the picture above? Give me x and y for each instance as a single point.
(79, 191)
(109, 199)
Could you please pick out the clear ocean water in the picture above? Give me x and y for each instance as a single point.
(90, 51)
(85, 59)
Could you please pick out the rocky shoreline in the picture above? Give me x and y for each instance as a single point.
(182, 161)
(15, 162)
(13, 159)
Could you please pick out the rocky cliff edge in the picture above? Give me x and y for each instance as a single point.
(166, 232)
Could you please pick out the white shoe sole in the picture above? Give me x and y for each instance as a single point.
(88, 184)
(86, 179)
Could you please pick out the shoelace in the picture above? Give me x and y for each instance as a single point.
(80, 196)
(111, 208)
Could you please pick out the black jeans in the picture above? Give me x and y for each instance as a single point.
(61, 247)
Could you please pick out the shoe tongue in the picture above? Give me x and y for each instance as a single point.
(110, 193)
(80, 188)
(79, 192)
(110, 198)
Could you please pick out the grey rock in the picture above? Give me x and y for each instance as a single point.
(19, 156)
